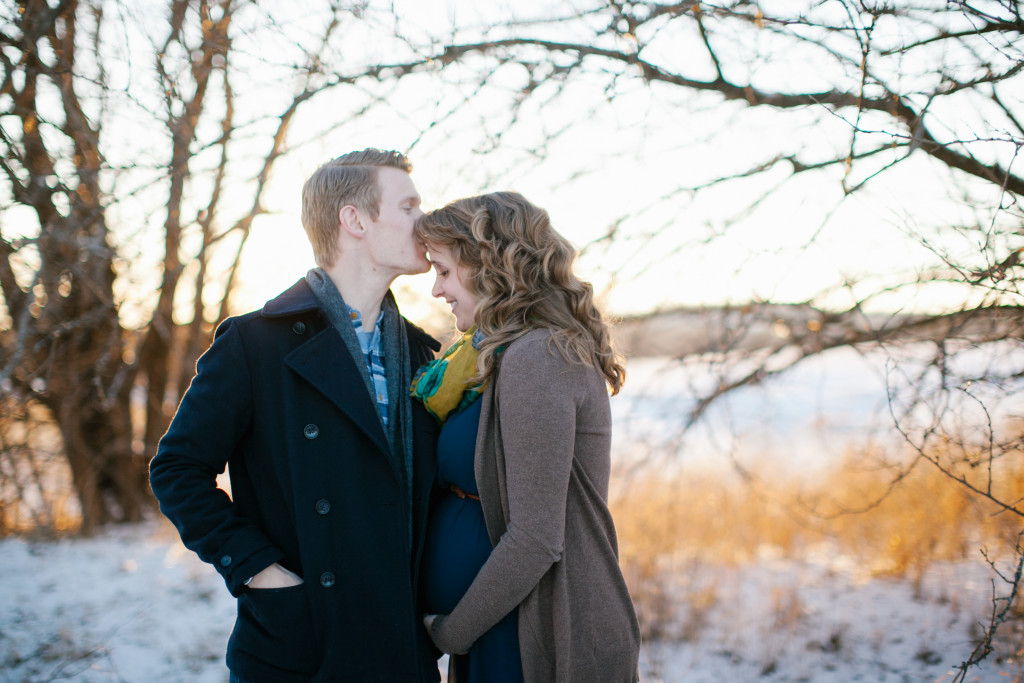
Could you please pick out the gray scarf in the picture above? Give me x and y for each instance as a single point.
(395, 341)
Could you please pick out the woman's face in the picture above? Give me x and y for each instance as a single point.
(450, 286)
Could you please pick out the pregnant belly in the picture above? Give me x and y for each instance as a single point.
(456, 547)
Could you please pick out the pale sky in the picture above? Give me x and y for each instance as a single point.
(611, 160)
(634, 152)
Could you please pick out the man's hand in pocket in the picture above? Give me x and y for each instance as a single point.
(274, 576)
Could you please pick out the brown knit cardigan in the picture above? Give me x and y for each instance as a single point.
(542, 465)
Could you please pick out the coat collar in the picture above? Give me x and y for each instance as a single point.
(418, 335)
(298, 298)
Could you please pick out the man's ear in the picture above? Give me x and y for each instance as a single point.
(348, 217)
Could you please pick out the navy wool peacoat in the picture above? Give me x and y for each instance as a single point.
(278, 400)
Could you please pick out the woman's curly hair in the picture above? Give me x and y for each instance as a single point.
(520, 270)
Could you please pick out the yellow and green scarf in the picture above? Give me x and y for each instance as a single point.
(443, 384)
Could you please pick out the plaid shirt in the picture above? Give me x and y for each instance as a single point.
(373, 353)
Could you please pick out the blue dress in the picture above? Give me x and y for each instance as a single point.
(457, 546)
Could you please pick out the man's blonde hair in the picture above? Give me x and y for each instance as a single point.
(349, 179)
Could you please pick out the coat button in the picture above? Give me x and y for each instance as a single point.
(327, 579)
(323, 506)
(225, 561)
(299, 328)
(311, 431)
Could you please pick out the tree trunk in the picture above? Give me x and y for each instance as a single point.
(109, 476)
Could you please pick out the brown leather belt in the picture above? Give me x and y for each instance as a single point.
(462, 494)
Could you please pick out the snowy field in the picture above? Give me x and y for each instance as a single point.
(134, 606)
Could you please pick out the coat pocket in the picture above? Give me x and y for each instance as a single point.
(275, 625)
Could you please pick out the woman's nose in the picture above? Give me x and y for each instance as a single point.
(437, 291)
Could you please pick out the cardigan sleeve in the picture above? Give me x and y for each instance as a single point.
(537, 393)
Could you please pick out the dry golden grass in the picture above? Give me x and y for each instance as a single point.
(683, 523)
(926, 517)
(36, 494)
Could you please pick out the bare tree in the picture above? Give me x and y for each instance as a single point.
(122, 137)
(65, 344)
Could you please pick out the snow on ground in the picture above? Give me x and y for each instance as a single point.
(824, 620)
(132, 605)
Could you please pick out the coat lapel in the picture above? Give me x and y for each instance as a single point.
(325, 362)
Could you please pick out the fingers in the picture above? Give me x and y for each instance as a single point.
(275, 576)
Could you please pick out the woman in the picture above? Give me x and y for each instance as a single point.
(521, 561)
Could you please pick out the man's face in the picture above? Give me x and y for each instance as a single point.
(393, 246)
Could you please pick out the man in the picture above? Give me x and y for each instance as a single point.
(331, 463)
